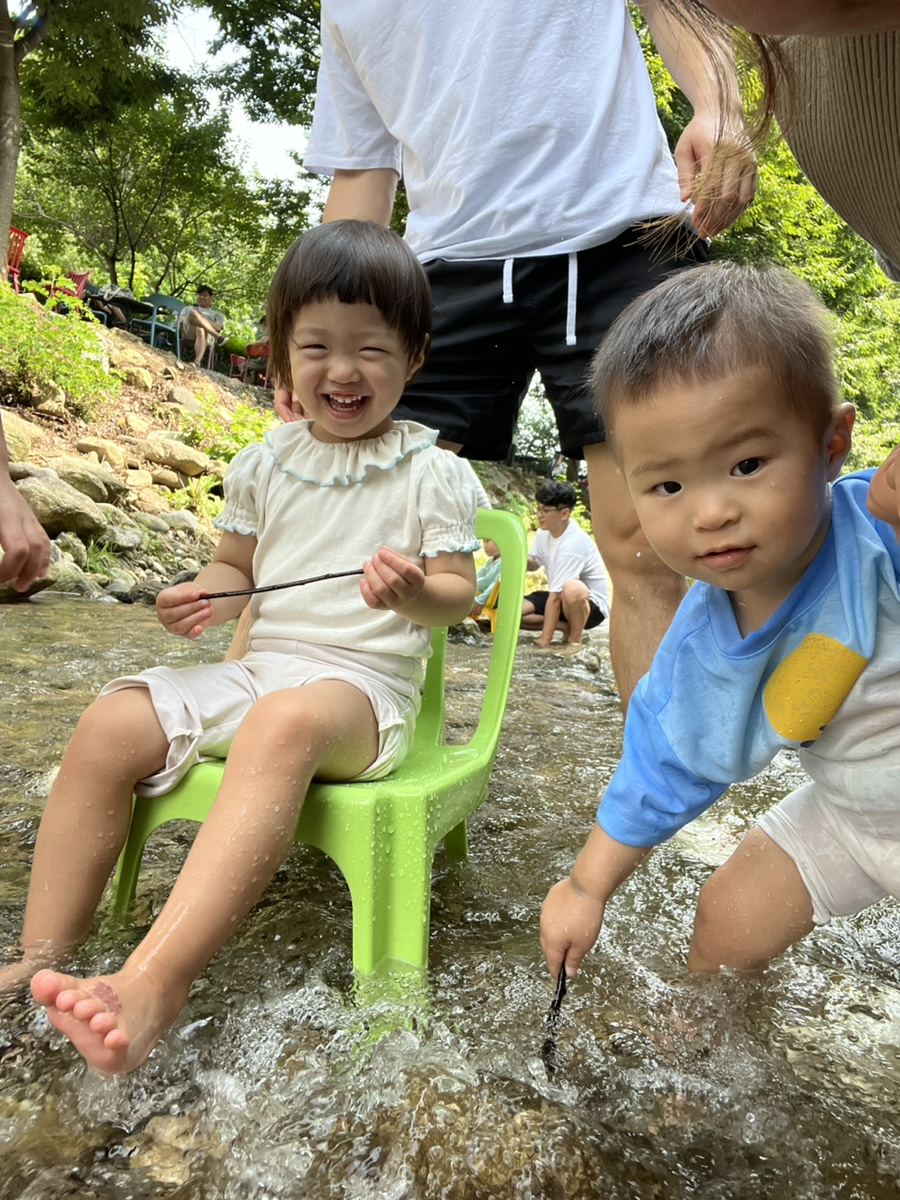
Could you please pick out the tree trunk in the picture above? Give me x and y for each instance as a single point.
(10, 128)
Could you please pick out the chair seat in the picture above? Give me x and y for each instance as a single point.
(383, 834)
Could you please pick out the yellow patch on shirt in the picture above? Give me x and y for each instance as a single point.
(808, 687)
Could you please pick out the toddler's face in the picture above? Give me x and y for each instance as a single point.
(730, 486)
(491, 549)
(349, 369)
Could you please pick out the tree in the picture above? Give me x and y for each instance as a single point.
(278, 44)
(80, 52)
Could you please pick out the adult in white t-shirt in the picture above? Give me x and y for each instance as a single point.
(577, 595)
(530, 148)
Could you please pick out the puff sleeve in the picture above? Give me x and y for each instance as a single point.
(448, 495)
(240, 513)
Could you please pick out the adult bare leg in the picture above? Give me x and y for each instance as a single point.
(117, 742)
(645, 592)
(750, 909)
(576, 607)
(326, 729)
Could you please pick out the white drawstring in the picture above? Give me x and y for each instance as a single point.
(571, 295)
(507, 280)
(572, 299)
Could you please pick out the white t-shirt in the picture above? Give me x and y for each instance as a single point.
(519, 128)
(573, 555)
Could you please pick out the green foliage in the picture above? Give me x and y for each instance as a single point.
(872, 442)
(277, 44)
(36, 345)
(198, 498)
(100, 559)
(207, 430)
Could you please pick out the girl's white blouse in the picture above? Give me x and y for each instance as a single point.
(320, 507)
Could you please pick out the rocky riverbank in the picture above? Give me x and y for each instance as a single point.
(128, 493)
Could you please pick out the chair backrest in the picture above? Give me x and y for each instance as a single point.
(258, 350)
(170, 303)
(79, 278)
(17, 239)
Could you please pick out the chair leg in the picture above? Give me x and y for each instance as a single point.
(456, 843)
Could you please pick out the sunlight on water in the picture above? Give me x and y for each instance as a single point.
(283, 1078)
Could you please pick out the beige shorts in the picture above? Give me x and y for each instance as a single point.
(200, 708)
(845, 865)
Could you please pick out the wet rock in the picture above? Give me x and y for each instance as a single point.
(74, 581)
(71, 544)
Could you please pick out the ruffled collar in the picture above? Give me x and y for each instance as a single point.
(297, 452)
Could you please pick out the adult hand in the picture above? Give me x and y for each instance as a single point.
(390, 580)
(184, 610)
(884, 491)
(26, 547)
(288, 406)
(570, 924)
(717, 170)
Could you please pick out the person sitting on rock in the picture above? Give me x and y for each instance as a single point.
(577, 595)
(201, 324)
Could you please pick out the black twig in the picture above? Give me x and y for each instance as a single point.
(548, 1050)
(275, 587)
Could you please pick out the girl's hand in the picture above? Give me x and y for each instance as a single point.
(884, 491)
(570, 924)
(184, 610)
(390, 580)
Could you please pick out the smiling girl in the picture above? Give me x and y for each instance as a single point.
(330, 687)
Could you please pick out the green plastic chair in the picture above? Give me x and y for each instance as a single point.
(383, 835)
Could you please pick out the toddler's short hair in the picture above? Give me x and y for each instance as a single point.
(355, 262)
(715, 320)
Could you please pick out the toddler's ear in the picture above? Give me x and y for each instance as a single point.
(839, 438)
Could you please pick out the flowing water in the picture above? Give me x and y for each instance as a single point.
(283, 1079)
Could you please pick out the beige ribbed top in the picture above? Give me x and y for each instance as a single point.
(848, 138)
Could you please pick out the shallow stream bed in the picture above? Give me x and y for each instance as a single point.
(283, 1079)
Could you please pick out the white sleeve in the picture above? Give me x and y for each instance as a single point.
(239, 513)
(537, 549)
(448, 495)
(347, 132)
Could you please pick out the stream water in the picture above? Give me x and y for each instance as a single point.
(283, 1079)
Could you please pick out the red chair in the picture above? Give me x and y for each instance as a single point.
(256, 350)
(237, 365)
(17, 239)
(79, 279)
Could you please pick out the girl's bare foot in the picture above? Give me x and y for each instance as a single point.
(113, 1021)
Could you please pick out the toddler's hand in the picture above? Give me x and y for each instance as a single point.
(183, 610)
(570, 924)
(390, 580)
(884, 491)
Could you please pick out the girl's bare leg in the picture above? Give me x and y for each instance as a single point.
(326, 729)
(117, 742)
(751, 909)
